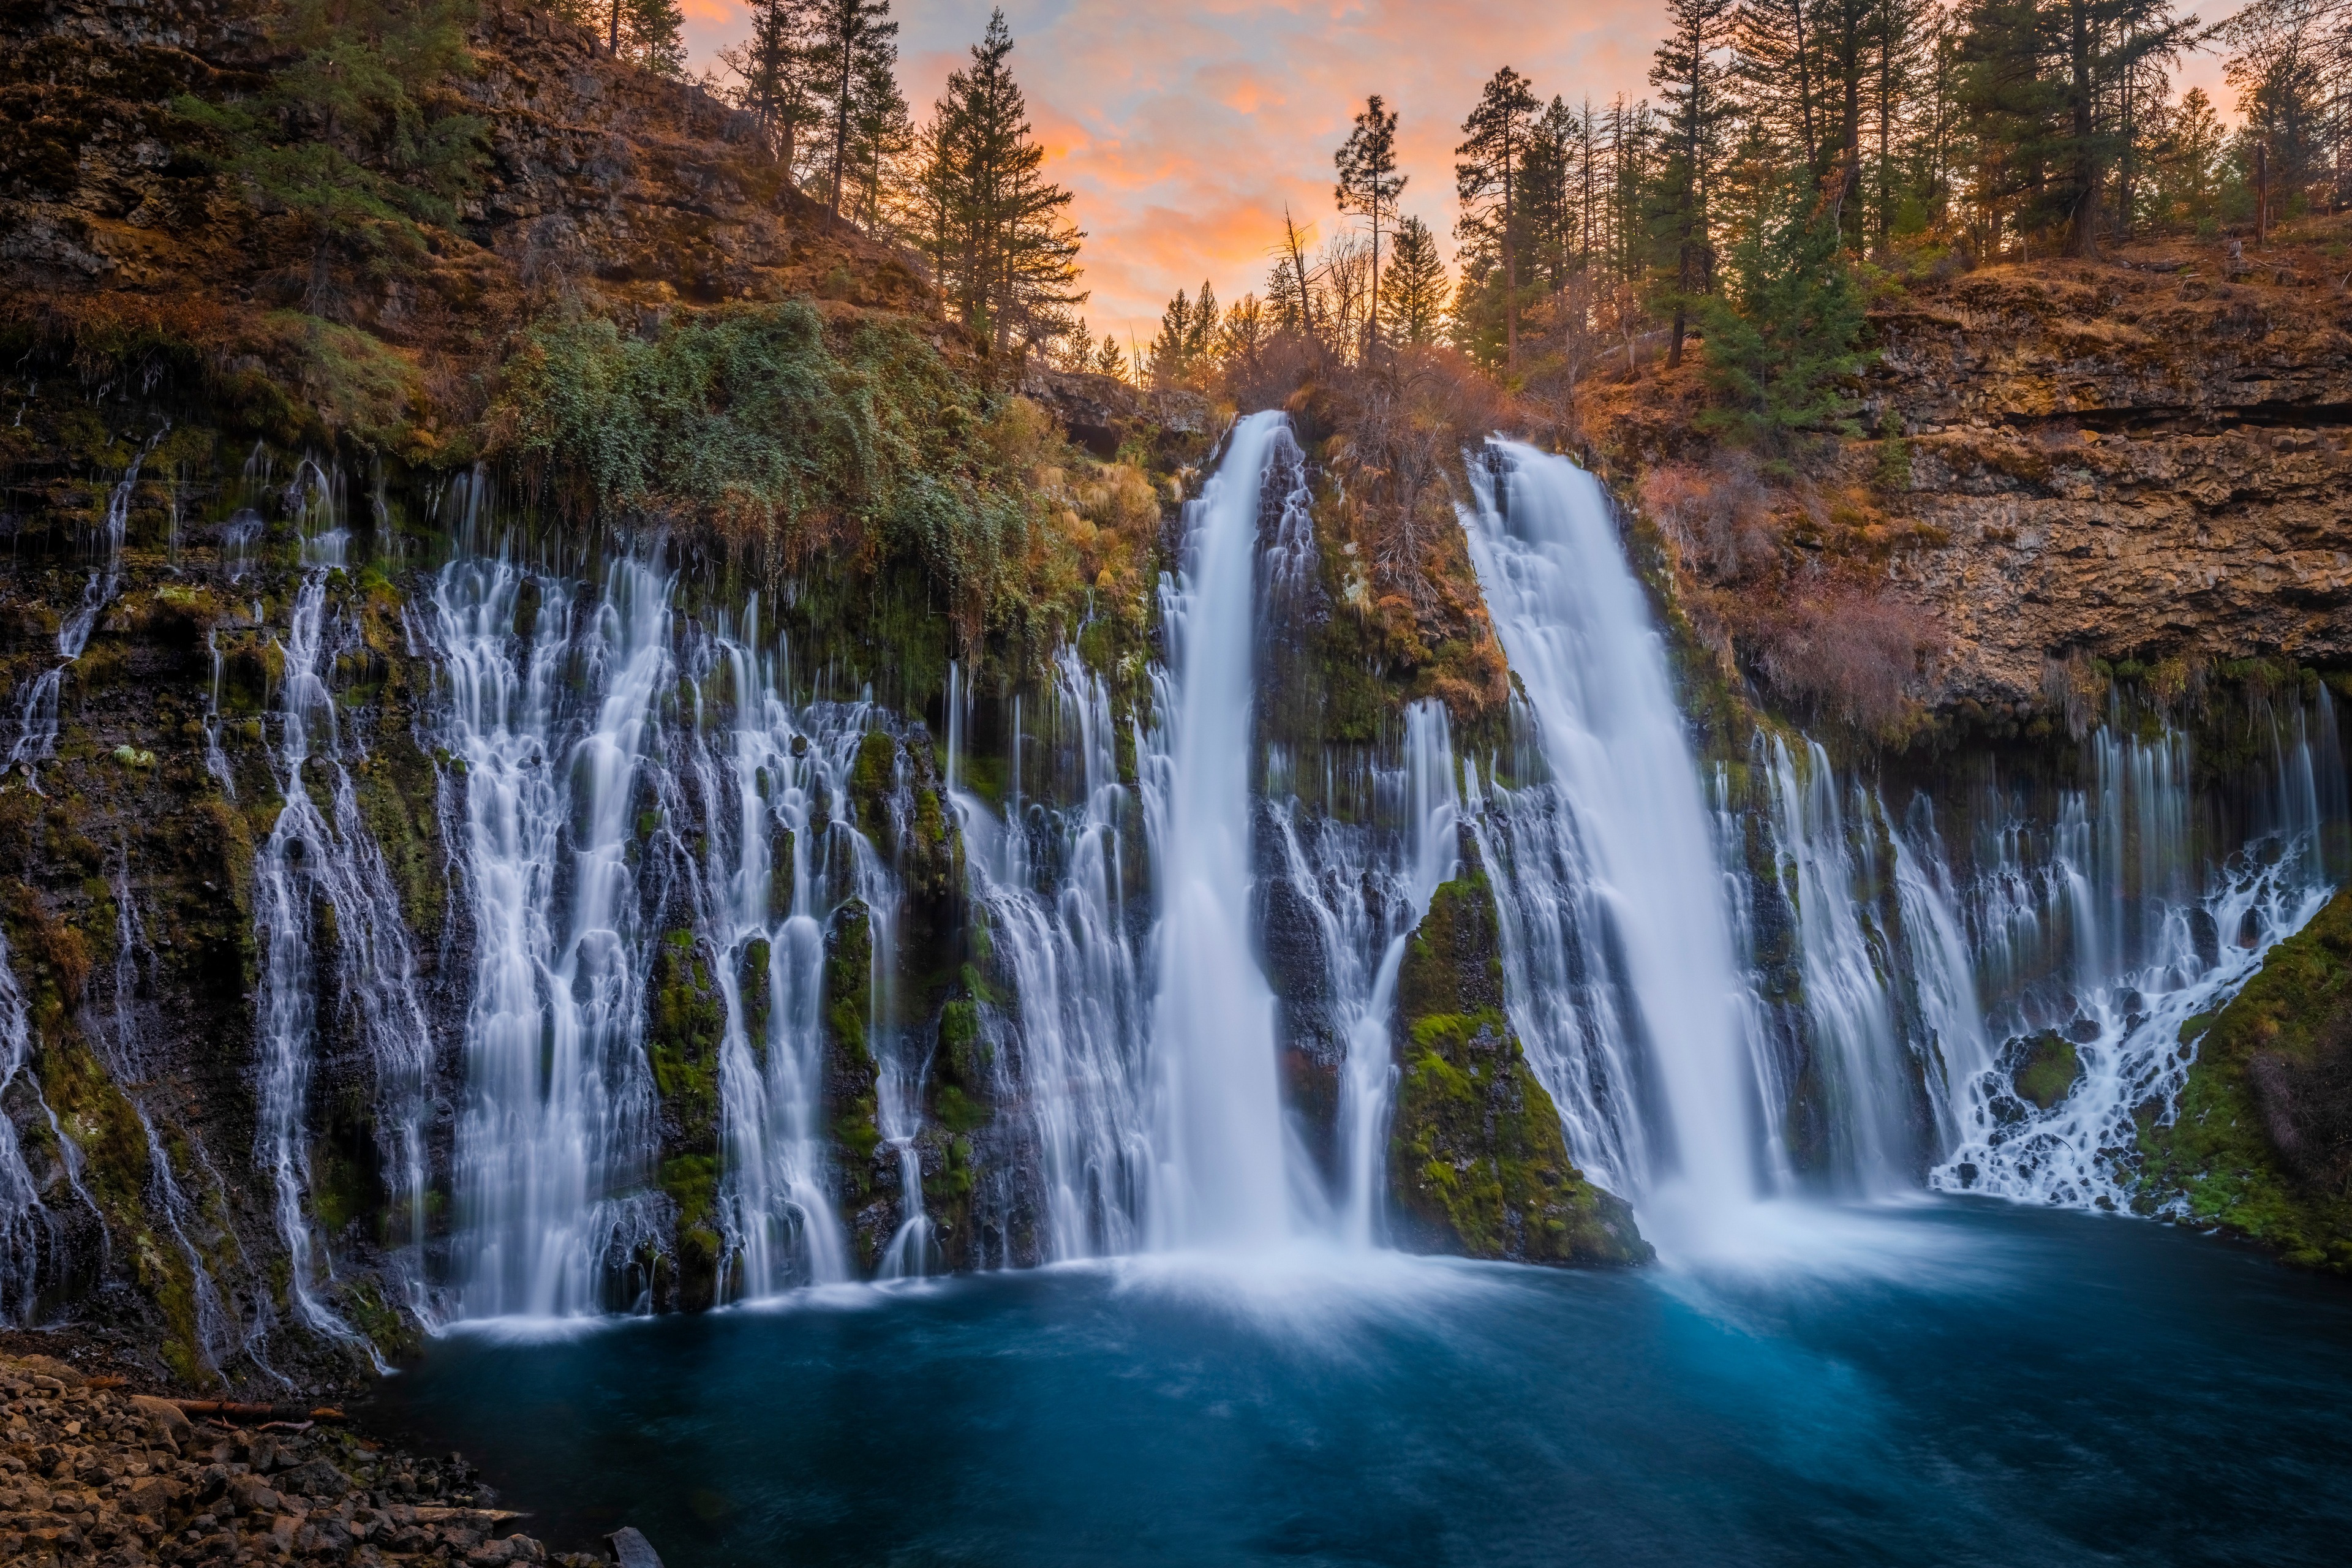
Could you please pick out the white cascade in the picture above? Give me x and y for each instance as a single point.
(1070, 1038)
(768, 777)
(2111, 930)
(326, 859)
(1618, 950)
(1221, 1179)
(1831, 855)
(28, 1230)
(217, 1335)
(555, 1139)
(36, 709)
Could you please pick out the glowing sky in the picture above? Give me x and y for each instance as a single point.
(1184, 129)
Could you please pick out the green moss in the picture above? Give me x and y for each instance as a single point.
(873, 775)
(2261, 1142)
(686, 1028)
(2050, 1070)
(1478, 1161)
(957, 1111)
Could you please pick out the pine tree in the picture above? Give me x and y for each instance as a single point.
(1171, 356)
(1110, 360)
(1414, 309)
(1780, 353)
(1495, 140)
(994, 229)
(774, 69)
(882, 143)
(653, 34)
(1369, 185)
(1690, 79)
(852, 39)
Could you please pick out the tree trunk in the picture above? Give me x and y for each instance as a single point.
(2083, 238)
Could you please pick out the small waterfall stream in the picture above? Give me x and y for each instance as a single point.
(37, 708)
(1073, 1033)
(768, 777)
(321, 884)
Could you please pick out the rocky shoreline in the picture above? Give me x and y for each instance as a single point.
(93, 1471)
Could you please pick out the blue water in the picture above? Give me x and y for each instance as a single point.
(1955, 1382)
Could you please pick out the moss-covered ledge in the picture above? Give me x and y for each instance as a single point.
(1477, 1164)
(2260, 1145)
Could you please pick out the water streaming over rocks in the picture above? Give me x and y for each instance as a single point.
(1126, 978)
(321, 889)
(36, 707)
(551, 698)
(1617, 944)
(1223, 1177)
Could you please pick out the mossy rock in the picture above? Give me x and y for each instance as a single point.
(2050, 1070)
(1477, 1163)
(686, 1028)
(2261, 1142)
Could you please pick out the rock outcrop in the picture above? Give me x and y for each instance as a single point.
(1477, 1164)
(2120, 462)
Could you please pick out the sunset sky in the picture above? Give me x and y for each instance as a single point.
(1185, 129)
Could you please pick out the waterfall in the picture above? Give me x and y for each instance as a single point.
(36, 709)
(1834, 862)
(1223, 1180)
(27, 1230)
(1363, 888)
(1617, 950)
(1073, 1033)
(773, 784)
(2110, 930)
(556, 1137)
(126, 1064)
(318, 862)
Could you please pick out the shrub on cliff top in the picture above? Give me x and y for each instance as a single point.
(787, 440)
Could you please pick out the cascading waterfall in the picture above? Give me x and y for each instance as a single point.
(1365, 888)
(768, 778)
(1078, 1019)
(1617, 950)
(27, 1230)
(2107, 933)
(327, 860)
(1221, 1179)
(556, 1138)
(1833, 859)
(216, 1333)
(37, 710)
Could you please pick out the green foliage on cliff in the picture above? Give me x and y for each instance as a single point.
(2261, 1144)
(794, 442)
(1476, 1160)
(354, 129)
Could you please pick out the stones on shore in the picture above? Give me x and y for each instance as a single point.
(91, 1474)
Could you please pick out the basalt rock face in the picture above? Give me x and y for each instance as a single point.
(1477, 1164)
(2120, 462)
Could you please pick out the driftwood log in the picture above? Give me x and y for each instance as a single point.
(230, 1410)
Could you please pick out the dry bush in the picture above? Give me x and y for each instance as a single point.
(1404, 425)
(1717, 515)
(1850, 653)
